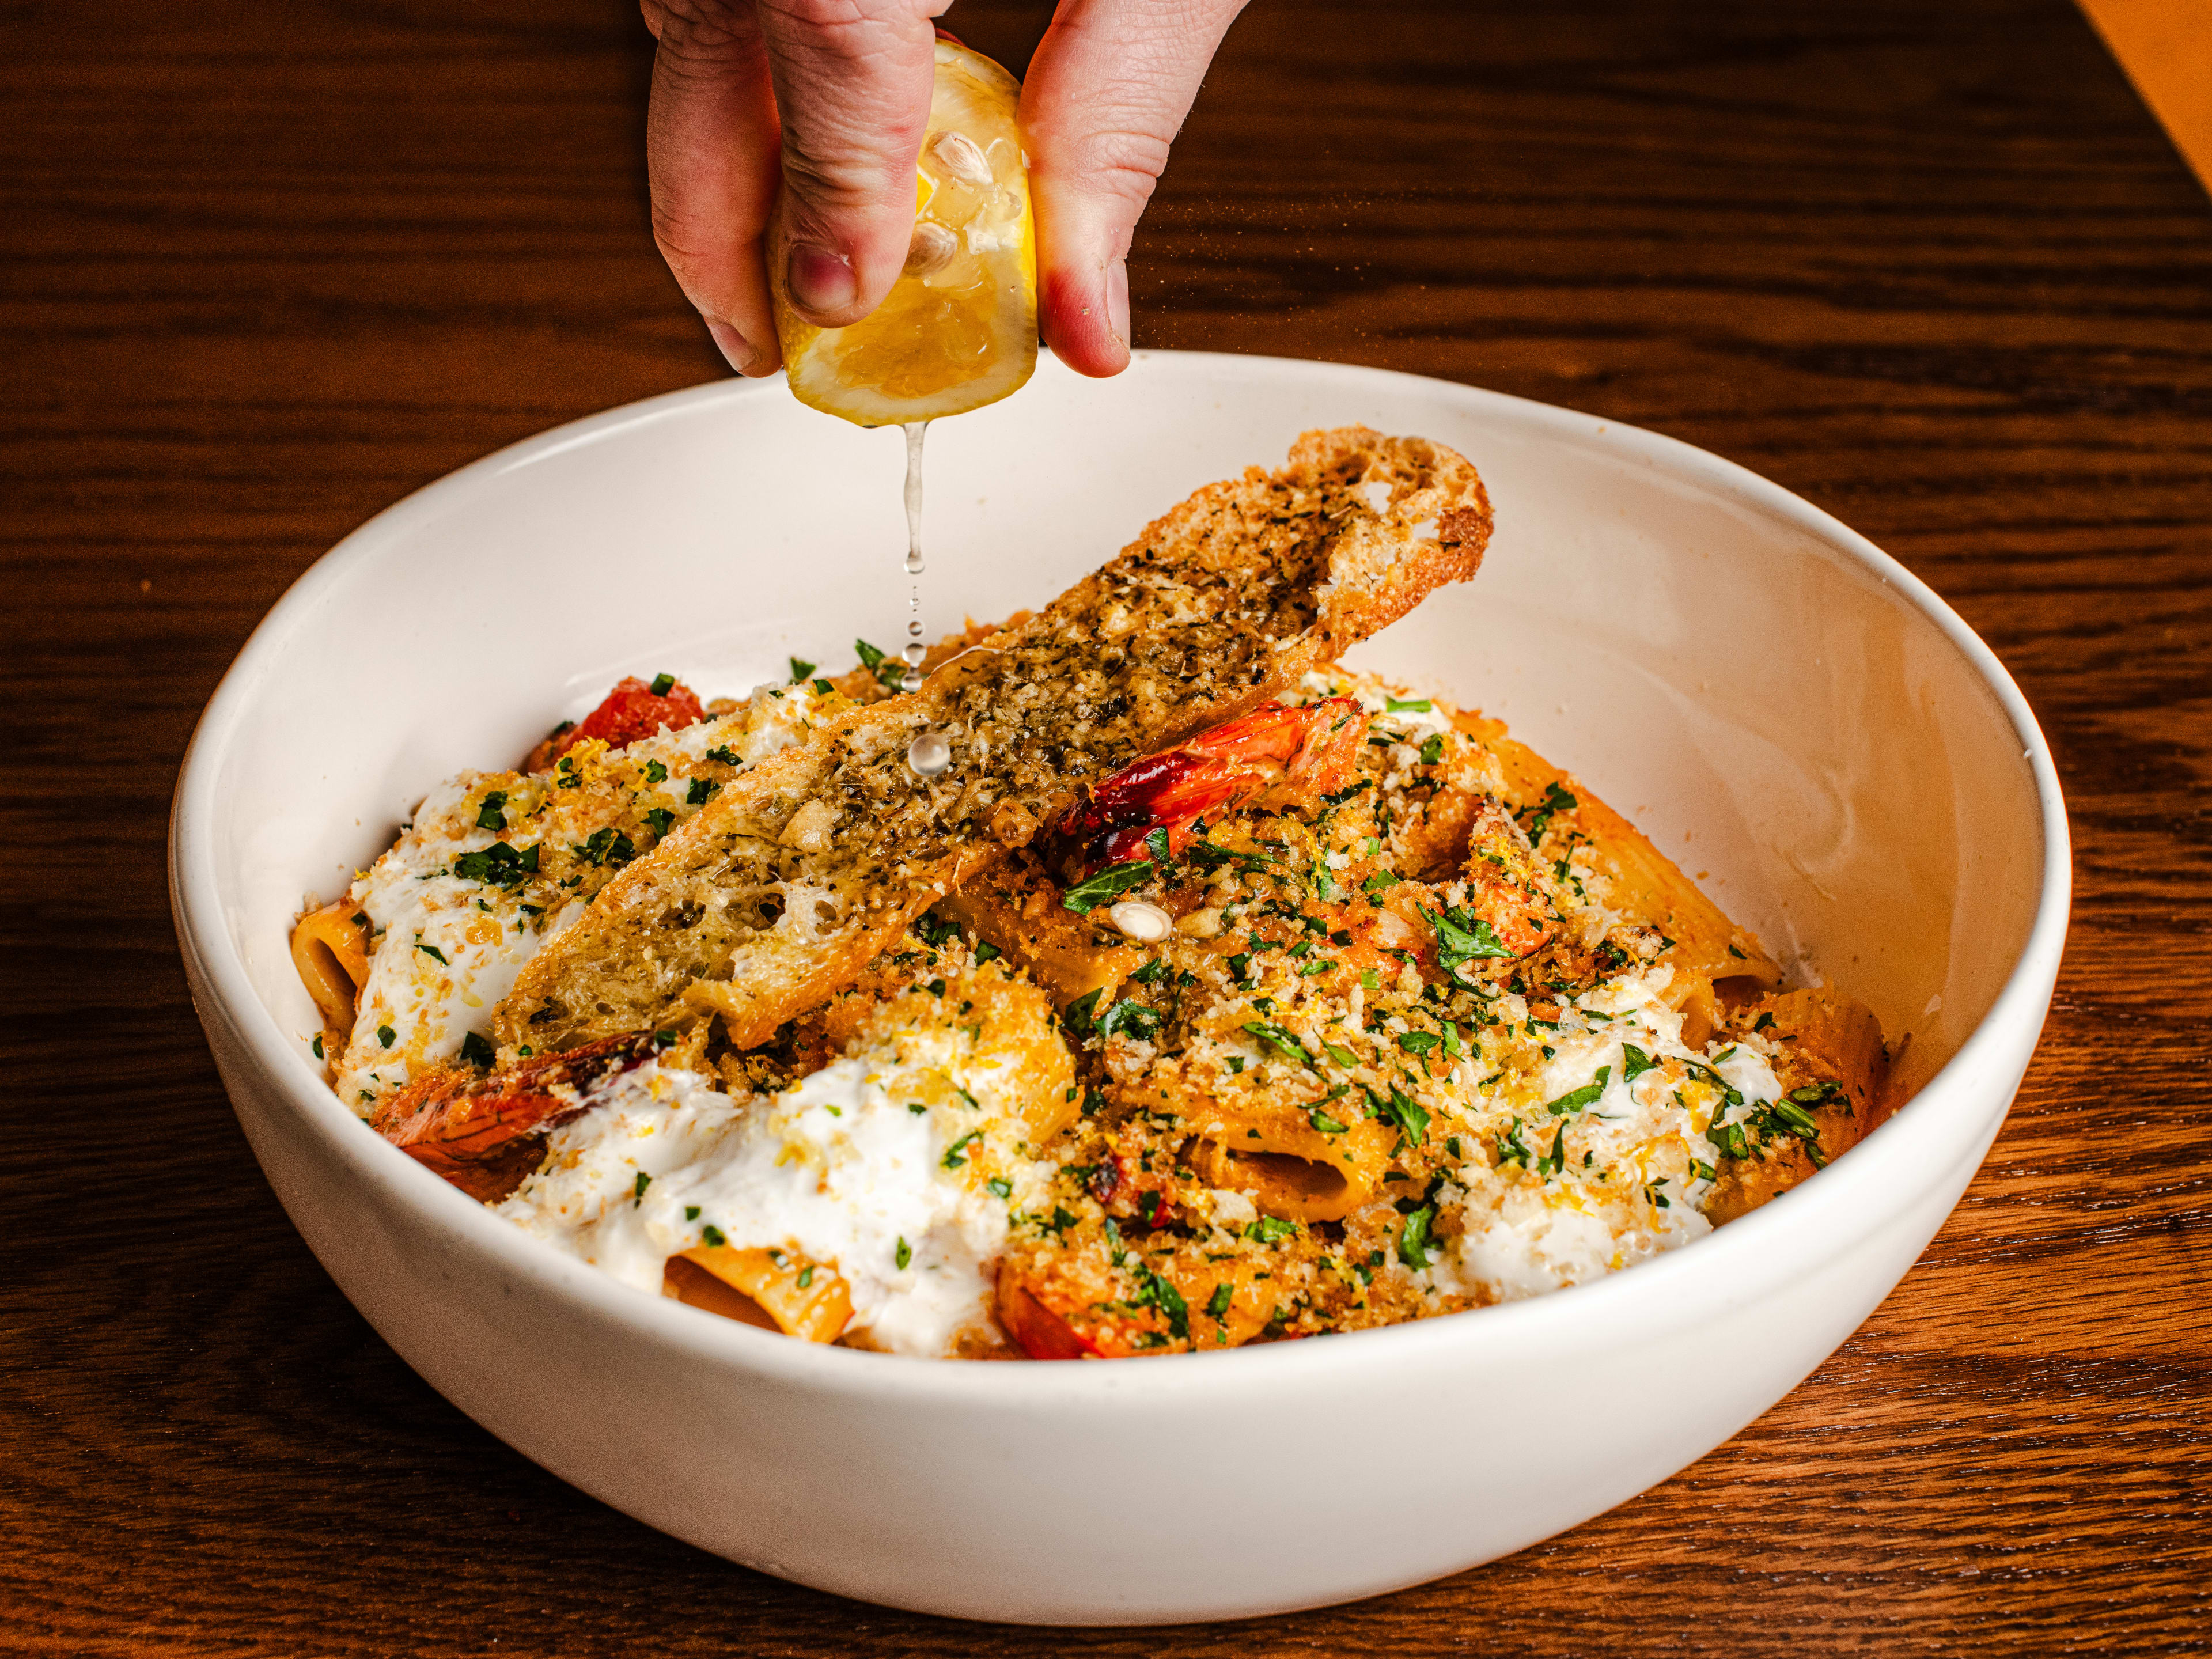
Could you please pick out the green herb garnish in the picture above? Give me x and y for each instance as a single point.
(1108, 883)
(1415, 1246)
(1634, 1062)
(500, 864)
(1281, 1040)
(1538, 820)
(1576, 1099)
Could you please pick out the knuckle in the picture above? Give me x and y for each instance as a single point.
(1121, 162)
(836, 17)
(705, 30)
(832, 180)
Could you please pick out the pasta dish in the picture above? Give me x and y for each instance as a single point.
(1210, 994)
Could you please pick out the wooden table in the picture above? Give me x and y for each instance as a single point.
(270, 267)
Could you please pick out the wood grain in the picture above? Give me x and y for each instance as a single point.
(270, 267)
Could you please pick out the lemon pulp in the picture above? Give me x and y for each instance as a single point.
(958, 329)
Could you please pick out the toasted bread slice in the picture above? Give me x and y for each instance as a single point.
(783, 888)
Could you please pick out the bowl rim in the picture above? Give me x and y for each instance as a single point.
(1915, 1150)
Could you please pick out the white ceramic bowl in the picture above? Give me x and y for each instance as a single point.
(1773, 699)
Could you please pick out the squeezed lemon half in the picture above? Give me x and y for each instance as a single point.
(959, 328)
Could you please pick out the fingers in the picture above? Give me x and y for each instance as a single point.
(1107, 93)
(853, 79)
(711, 152)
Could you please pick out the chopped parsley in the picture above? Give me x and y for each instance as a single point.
(663, 684)
(492, 815)
(1139, 1021)
(1556, 800)
(1432, 749)
(1409, 705)
(724, 753)
(637, 1192)
(1400, 1108)
(904, 1253)
(1108, 883)
(954, 1158)
(1217, 1306)
(500, 864)
(1634, 1062)
(433, 952)
(1153, 1291)
(1415, 1244)
(1271, 1230)
(1462, 936)
(801, 669)
(713, 1236)
(659, 817)
(1555, 1160)
(385, 1035)
(1418, 1043)
(655, 772)
(476, 1050)
(607, 847)
(1282, 1042)
(700, 791)
(1575, 1100)
(889, 671)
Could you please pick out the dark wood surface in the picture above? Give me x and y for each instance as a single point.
(269, 267)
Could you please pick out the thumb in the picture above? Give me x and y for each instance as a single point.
(852, 80)
(1106, 94)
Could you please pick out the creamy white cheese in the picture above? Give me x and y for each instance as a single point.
(841, 1168)
(1617, 1169)
(446, 950)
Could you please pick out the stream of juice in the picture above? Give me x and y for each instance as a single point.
(929, 754)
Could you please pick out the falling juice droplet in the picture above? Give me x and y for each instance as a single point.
(929, 754)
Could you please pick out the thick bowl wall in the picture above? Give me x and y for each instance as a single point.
(1785, 710)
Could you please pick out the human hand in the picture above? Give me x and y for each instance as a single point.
(828, 98)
